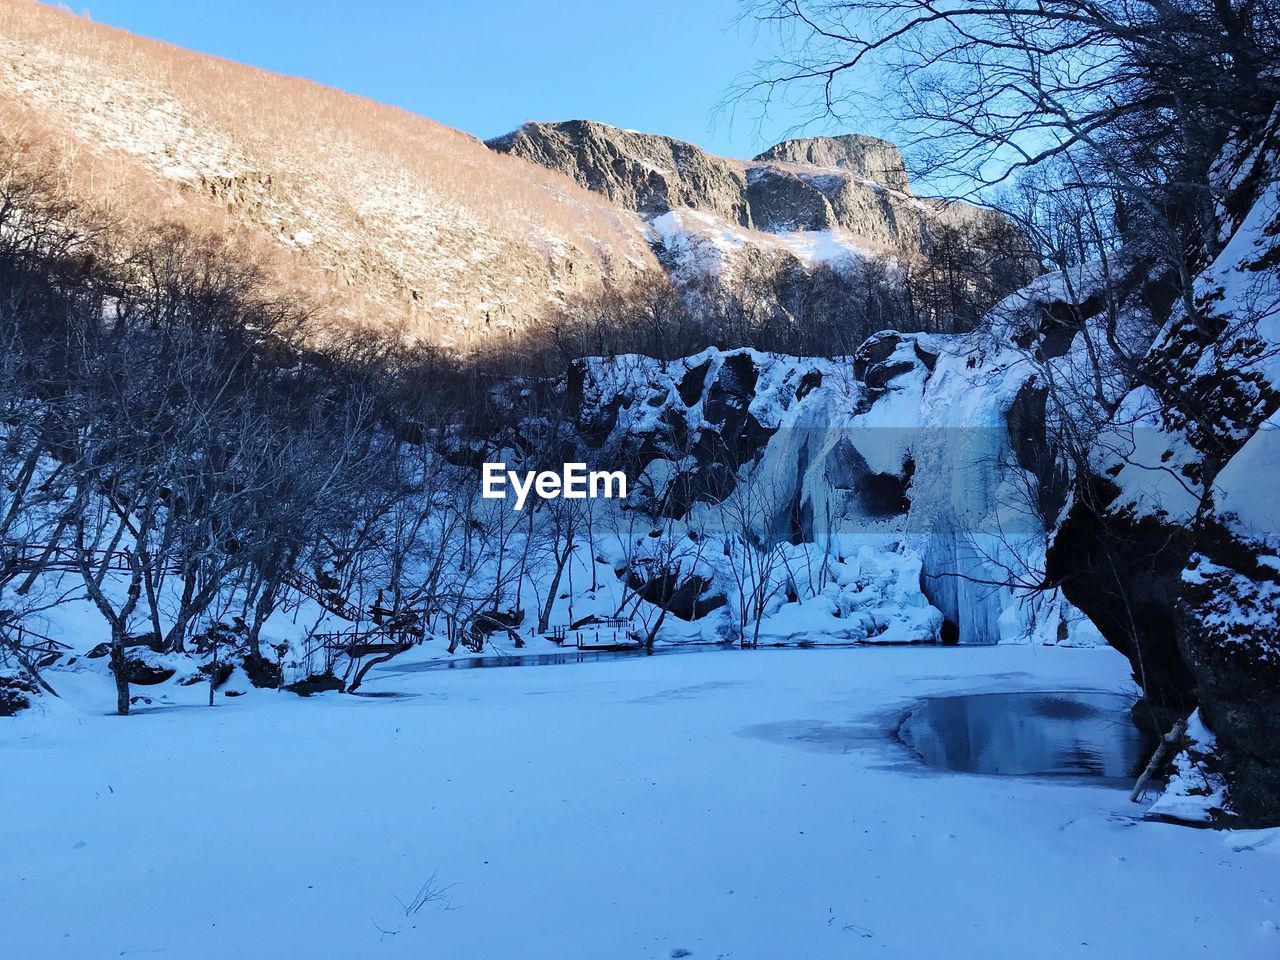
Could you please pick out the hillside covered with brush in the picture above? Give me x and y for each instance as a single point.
(391, 220)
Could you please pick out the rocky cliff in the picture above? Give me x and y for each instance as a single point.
(867, 158)
(1172, 540)
(905, 468)
(853, 186)
(642, 172)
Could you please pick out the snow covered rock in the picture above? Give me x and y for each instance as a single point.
(685, 427)
(1228, 622)
(889, 485)
(16, 694)
(1171, 542)
(1196, 792)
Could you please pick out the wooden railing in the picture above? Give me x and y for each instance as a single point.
(338, 605)
(346, 641)
(604, 631)
(25, 559)
(46, 650)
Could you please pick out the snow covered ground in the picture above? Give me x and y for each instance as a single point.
(744, 804)
(703, 243)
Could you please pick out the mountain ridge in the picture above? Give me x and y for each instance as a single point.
(389, 222)
(851, 182)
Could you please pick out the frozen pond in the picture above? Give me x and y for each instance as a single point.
(570, 655)
(621, 794)
(1072, 734)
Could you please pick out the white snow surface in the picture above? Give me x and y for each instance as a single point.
(703, 243)
(751, 805)
(1247, 489)
(1194, 794)
(1147, 460)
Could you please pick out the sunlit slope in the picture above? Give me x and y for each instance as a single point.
(390, 219)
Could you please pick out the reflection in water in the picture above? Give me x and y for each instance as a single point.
(573, 655)
(541, 659)
(1023, 734)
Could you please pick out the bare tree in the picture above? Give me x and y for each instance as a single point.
(753, 552)
(1141, 94)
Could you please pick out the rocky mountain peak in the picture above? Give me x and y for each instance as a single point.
(852, 189)
(868, 158)
(647, 173)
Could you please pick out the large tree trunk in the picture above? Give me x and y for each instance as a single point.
(120, 670)
(544, 615)
(652, 635)
(175, 640)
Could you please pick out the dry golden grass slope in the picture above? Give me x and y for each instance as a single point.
(388, 218)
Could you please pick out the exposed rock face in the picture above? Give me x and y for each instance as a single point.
(642, 172)
(1172, 543)
(784, 200)
(852, 183)
(1228, 632)
(866, 157)
(682, 429)
(687, 596)
(1123, 571)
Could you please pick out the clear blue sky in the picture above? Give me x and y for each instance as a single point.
(660, 66)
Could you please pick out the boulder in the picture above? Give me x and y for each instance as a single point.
(143, 671)
(16, 694)
(687, 596)
(320, 683)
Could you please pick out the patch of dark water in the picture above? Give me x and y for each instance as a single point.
(590, 656)
(1049, 734)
